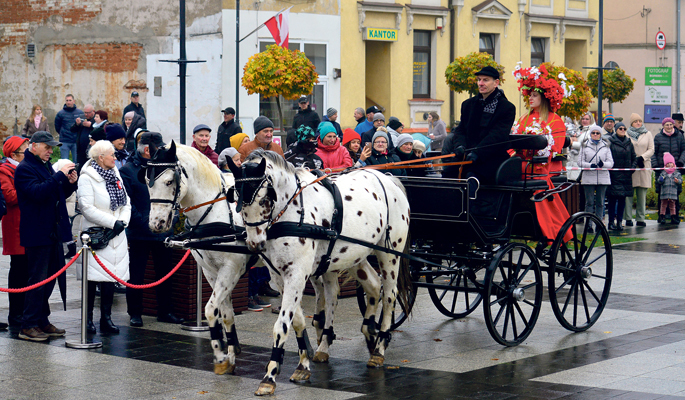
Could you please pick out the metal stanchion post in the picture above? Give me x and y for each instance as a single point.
(84, 343)
(198, 325)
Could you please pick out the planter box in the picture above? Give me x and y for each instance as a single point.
(571, 199)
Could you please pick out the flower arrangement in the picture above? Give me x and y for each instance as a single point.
(616, 84)
(538, 79)
(460, 77)
(535, 128)
(579, 101)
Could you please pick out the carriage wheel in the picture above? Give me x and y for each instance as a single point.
(513, 294)
(398, 316)
(463, 289)
(580, 272)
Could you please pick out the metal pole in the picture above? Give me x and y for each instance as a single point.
(600, 71)
(237, 60)
(677, 81)
(199, 325)
(84, 343)
(182, 69)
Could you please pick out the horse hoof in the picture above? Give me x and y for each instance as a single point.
(300, 375)
(320, 357)
(265, 389)
(376, 361)
(224, 367)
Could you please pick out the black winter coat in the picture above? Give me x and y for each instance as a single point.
(623, 153)
(674, 144)
(377, 158)
(224, 133)
(307, 117)
(481, 131)
(82, 141)
(301, 157)
(138, 109)
(42, 193)
(138, 122)
(411, 156)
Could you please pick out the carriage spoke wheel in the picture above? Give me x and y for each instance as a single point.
(398, 316)
(513, 294)
(462, 292)
(580, 272)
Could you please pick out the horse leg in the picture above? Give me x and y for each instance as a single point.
(331, 290)
(368, 278)
(293, 288)
(302, 372)
(319, 319)
(389, 269)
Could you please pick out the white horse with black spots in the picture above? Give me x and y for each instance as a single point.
(375, 210)
(180, 177)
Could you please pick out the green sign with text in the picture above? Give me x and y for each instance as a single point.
(658, 76)
(380, 34)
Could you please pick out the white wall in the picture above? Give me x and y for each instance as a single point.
(303, 27)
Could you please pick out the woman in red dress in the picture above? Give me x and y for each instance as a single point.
(544, 96)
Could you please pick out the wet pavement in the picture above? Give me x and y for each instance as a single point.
(635, 351)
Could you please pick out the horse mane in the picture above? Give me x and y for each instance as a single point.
(272, 157)
(205, 167)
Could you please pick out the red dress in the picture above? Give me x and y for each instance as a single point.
(551, 214)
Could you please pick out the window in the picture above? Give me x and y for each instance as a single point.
(487, 44)
(537, 51)
(422, 63)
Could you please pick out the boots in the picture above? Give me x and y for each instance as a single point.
(662, 219)
(612, 225)
(619, 225)
(106, 300)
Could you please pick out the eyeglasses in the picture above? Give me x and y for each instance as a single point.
(380, 142)
(596, 133)
(621, 129)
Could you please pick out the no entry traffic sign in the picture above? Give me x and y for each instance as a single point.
(660, 40)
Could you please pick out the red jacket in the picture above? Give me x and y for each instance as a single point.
(211, 154)
(10, 222)
(334, 156)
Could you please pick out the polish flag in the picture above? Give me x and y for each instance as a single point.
(278, 26)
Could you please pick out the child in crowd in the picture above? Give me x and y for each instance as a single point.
(227, 153)
(669, 180)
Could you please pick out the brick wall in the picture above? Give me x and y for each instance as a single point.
(107, 57)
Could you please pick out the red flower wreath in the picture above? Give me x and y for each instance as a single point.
(535, 78)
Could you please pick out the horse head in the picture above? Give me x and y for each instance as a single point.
(166, 181)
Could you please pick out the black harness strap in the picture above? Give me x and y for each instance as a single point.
(330, 336)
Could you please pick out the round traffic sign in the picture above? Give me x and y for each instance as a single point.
(660, 40)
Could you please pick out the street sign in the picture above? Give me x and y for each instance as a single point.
(658, 76)
(657, 95)
(660, 40)
(655, 114)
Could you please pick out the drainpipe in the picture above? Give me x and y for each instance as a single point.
(677, 81)
(452, 40)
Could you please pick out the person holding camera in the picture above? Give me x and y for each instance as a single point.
(104, 203)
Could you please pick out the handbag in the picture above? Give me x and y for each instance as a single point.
(99, 236)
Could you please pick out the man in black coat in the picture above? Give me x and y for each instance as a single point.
(83, 128)
(486, 121)
(306, 116)
(41, 193)
(142, 241)
(227, 129)
(135, 106)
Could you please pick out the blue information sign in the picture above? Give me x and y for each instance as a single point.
(655, 114)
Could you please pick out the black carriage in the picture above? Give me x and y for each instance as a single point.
(487, 247)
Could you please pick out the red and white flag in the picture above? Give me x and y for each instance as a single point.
(279, 28)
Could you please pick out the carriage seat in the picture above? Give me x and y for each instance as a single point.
(509, 175)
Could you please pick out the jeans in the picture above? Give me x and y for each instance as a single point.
(67, 148)
(594, 199)
(18, 278)
(616, 208)
(641, 194)
(161, 255)
(43, 262)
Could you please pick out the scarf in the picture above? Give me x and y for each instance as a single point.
(670, 170)
(636, 133)
(37, 119)
(117, 194)
(666, 133)
(491, 102)
(97, 125)
(594, 141)
(121, 155)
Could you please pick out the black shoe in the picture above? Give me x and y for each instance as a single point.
(629, 222)
(170, 318)
(3, 326)
(619, 227)
(612, 226)
(107, 326)
(119, 288)
(266, 291)
(590, 230)
(641, 223)
(90, 327)
(136, 321)
(662, 219)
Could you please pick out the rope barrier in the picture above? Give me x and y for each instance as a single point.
(616, 169)
(41, 283)
(149, 285)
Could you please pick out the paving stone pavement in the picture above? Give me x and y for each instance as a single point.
(635, 351)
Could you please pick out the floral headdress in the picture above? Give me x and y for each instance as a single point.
(538, 79)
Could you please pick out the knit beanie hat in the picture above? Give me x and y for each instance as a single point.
(114, 132)
(325, 128)
(226, 153)
(331, 112)
(609, 117)
(418, 145)
(262, 122)
(619, 125)
(102, 114)
(394, 123)
(237, 140)
(12, 144)
(667, 119)
(403, 139)
(378, 116)
(130, 114)
(349, 135)
(379, 133)
(668, 158)
(635, 117)
(304, 132)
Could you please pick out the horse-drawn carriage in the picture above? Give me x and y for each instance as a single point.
(468, 245)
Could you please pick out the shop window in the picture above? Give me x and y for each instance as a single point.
(487, 43)
(537, 51)
(422, 64)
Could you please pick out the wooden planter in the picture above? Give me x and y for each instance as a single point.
(184, 289)
(571, 199)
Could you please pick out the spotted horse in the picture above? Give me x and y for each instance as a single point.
(307, 228)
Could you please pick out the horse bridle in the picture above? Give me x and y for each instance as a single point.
(178, 170)
(264, 179)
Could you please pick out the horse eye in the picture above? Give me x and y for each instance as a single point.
(169, 183)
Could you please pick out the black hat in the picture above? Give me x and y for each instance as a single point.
(303, 99)
(488, 71)
(44, 137)
(373, 109)
(134, 94)
(201, 127)
(114, 132)
(152, 138)
(261, 122)
(677, 117)
(228, 110)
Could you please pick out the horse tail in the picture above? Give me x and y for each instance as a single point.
(406, 291)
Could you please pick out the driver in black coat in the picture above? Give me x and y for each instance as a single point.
(486, 120)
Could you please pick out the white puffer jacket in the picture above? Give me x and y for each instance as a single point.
(592, 154)
(94, 205)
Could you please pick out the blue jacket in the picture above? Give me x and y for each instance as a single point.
(138, 228)
(41, 193)
(64, 120)
(364, 126)
(336, 125)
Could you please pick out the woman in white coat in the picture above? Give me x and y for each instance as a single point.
(103, 202)
(595, 154)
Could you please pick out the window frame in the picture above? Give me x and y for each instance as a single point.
(493, 37)
(536, 55)
(428, 50)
